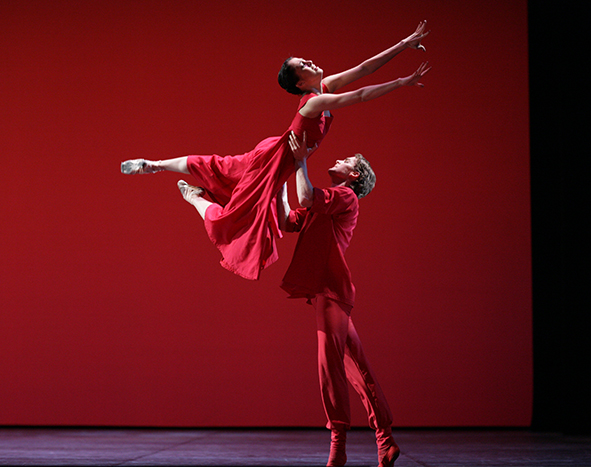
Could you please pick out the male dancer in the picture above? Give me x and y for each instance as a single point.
(318, 272)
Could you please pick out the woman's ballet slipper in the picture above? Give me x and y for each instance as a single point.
(188, 191)
(139, 166)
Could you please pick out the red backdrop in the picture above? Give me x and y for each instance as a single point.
(114, 309)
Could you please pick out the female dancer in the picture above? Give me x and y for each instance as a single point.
(241, 219)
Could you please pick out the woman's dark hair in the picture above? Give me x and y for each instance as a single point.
(367, 178)
(288, 78)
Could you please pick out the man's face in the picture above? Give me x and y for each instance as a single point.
(343, 169)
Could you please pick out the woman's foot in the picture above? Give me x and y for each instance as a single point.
(189, 191)
(139, 166)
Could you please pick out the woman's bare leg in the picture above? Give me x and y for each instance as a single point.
(178, 164)
(194, 196)
(145, 166)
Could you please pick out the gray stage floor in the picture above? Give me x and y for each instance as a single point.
(284, 447)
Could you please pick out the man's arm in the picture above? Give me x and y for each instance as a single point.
(301, 152)
(283, 207)
(338, 80)
(305, 189)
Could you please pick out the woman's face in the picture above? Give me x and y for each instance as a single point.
(308, 73)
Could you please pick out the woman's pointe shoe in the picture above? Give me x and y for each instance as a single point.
(390, 456)
(139, 166)
(188, 191)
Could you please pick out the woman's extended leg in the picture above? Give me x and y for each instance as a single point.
(144, 166)
(194, 196)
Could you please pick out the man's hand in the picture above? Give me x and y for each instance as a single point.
(300, 149)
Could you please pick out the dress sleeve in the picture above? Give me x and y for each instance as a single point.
(333, 201)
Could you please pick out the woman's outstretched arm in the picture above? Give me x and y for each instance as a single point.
(337, 81)
(326, 101)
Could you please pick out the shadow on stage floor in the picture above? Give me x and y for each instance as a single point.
(285, 447)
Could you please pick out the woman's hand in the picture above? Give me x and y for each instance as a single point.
(413, 80)
(300, 150)
(414, 40)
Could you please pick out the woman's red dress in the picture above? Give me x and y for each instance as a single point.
(243, 221)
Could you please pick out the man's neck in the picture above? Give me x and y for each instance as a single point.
(342, 183)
